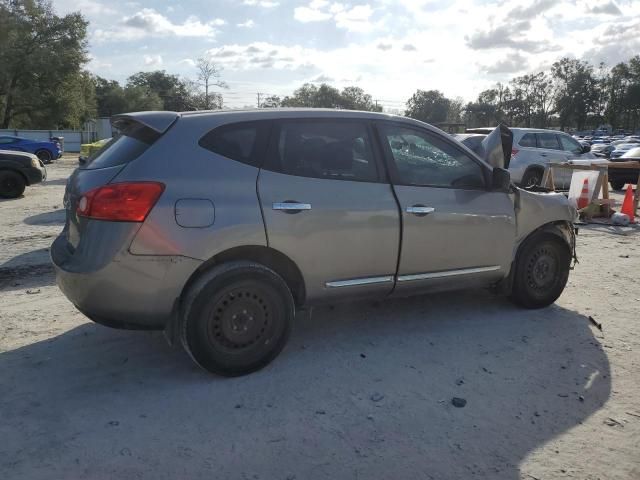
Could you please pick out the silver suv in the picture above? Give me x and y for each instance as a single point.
(216, 226)
(533, 149)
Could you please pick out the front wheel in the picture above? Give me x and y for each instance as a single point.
(237, 318)
(542, 270)
(12, 184)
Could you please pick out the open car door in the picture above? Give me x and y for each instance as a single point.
(495, 149)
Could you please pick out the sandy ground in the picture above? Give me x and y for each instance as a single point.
(362, 391)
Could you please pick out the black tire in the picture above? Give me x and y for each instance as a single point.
(617, 184)
(236, 318)
(532, 177)
(12, 184)
(542, 269)
(44, 155)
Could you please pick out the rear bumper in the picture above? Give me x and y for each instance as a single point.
(122, 290)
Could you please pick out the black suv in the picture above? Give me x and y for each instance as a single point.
(17, 170)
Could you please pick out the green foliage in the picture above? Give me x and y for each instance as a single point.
(429, 106)
(326, 96)
(41, 55)
(573, 94)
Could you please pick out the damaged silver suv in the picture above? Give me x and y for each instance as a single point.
(216, 226)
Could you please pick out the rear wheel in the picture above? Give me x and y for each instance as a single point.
(542, 270)
(237, 318)
(532, 178)
(44, 155)
(12, 184)
(617, 184)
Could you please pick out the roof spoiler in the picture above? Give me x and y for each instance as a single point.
(495, 149)
(159, 122)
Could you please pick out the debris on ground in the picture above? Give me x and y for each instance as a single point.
(376, 397)
(597, 324)
(458, 402)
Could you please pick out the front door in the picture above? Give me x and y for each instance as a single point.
(455, 230)
(327, 208)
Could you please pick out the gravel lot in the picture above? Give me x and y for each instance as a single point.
(363, 391)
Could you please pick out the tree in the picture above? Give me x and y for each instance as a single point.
(140, 99)
(576, 94)
(41, 55)
(325, 96)
(209, 75)
(355, 98)
(170, 88)
(429, 106)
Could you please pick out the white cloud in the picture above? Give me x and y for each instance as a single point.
(152, 60)
(352, 18)
(148, 22)
(261, 3)
(187, 61)
(248, 24)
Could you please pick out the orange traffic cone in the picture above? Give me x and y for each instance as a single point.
(583, 199)
(627, 204)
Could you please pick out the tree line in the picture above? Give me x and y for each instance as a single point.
(44, 84)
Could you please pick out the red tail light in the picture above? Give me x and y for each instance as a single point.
(120, 202)
(514, 152)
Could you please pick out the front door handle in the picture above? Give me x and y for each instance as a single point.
(420, 210)
(290, 206)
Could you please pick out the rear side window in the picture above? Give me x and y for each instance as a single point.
(548, 141)
(330, 149)
(242, 142)
(529, 140)
(133, 141)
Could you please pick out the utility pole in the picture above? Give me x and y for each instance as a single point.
(258, 95)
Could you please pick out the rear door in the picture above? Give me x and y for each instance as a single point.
(326, 206)
(549, 147)
(455, 230)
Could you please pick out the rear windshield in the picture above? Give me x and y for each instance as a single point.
(133, 141)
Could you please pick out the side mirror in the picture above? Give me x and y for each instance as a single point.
(586, 148)
(501, 180)
(82, 160)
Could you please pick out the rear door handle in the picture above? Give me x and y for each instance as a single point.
(291, 206)
(420, 210)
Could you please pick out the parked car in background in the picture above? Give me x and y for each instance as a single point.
(17, 171)
(602, 150)
(534, 148)
(216, 226)
(45, 151)
(87, 150)
(622, 148)
(619, 178)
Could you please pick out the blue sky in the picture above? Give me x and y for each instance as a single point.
(388, 47)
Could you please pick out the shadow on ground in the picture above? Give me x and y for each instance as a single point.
(33, 268)
(55, 217)
(53, 183)
(361, 391)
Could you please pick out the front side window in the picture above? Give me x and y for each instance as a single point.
(6, 140)
(569, 144)
(548, 141)
(423, 159)
(328, 149)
